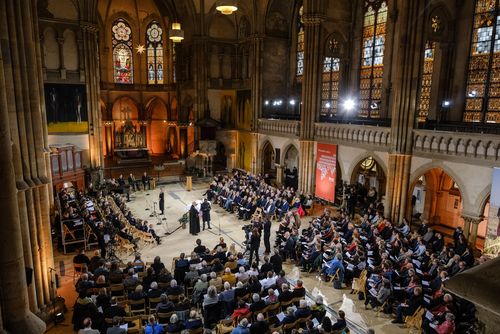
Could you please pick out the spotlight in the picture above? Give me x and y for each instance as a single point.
(473, 93)
(349, 104)
(328, 105)
(266, 102)
(374, 105)
(279, 102)
(446, 103)
(292, 102)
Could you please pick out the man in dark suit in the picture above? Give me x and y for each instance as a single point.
(267, 235)
(299, 290)
(285, 295)
(114, 310)
(276, 261)
(260, 326)
(408, 308)
(258, 304)
(145, 181)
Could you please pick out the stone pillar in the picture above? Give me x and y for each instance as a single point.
(471, 223)
(279, 174)
(90, 33)
(62, 67)
(311, 90)
(407, 55)
(13, 13)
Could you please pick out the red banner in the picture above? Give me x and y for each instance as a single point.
(326, 171)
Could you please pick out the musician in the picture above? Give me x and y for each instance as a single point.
(205, 209)
(121, 181)
(145, 181)
(132, 182)
(161, 203)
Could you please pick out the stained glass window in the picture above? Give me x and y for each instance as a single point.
(122, 52)
(426, 82)
(372, 58)
(155, 65)
(300, 46)
(482, 99)
(330, 84)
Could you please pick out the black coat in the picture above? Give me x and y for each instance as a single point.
(161, 202)
(194, 220)
(205, 209)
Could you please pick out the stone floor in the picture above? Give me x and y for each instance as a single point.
(228, 226)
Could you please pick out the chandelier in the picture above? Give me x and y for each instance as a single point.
(226, 7)
(176, 34)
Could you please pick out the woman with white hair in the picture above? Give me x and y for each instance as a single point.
(174, 289)
(174, 324)
(211, 297)
(194, 321)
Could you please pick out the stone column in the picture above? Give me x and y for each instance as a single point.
(407, 55)
(17, 316)
(279, 174)
(90, 34)
(473, 224)
(311, 91)
(62, 68)
(255, 68)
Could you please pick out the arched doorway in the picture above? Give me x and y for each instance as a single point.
(368, 173)
(291, 167)
(436, 197)
(268, 159)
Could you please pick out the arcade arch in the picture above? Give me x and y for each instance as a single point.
(369, 174)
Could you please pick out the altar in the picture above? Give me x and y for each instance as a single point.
(130, 144)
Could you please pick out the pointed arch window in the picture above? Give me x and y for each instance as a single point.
(482, 99)
(372, 58)
(300, 46)
(330, 78)
(154, 49)
(122, 52)
(426, 82)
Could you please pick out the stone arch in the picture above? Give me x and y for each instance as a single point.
(380, 175)
(156, 109)
(435, 164)
(267, 157)
(359, 158)
(51, 58)
(287, 148)
(70, 50)
(119, 112)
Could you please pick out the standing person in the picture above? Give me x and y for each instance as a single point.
(194, 220)
(254, 245)
(267, 235)
(205, 209)
(131, 182)
(161, 201)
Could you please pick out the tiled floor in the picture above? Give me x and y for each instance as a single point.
(177, 200)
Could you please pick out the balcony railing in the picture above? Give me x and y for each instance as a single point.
(353, 134)
(279, 127)
(460, 144)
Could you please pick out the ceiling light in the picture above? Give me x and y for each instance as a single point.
(349, 104)
(473, 93)
(446, 103)
(292, 102)
(176, 34)
(266, 102)
(226, 7)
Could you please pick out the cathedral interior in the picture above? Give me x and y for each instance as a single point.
(405, 94)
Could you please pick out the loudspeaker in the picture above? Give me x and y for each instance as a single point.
(29, 275)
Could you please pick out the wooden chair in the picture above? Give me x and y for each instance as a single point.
(358, 284)
(163, 317)
(278, 329)
(137, 321)
(382, 307)
(140, 311)
(333, 277)
(287, 328)
(118, 291)
(163, 286)
(173, 298)
(196, 331)
(415, 320)
(152, 304)
(296, 300)
(77, 270)
(301, 322)
(271, 310)
(225, 326)
(284, 305)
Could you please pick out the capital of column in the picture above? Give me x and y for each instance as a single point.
(89, 27)
(472, 219)
(311, 19)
